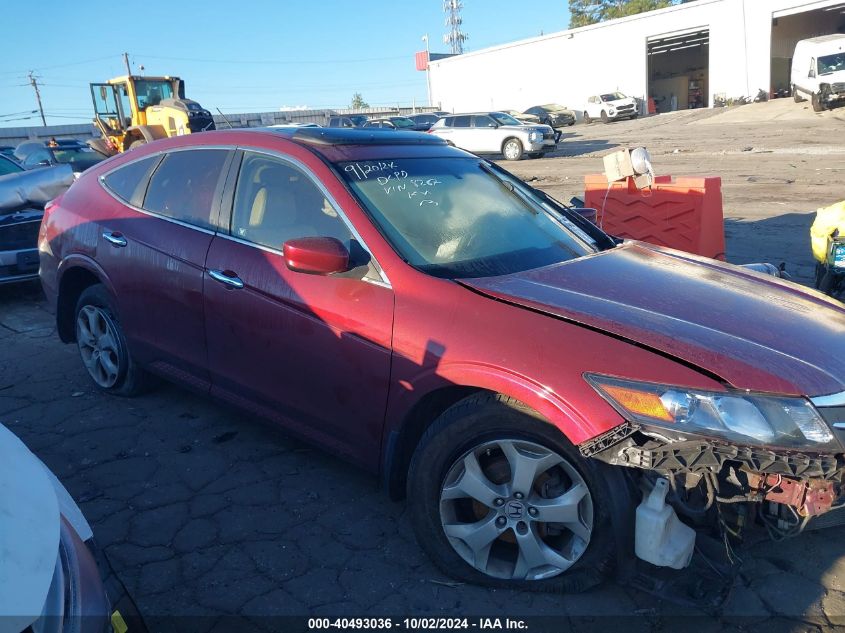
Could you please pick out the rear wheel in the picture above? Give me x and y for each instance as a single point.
(795, 95)
(587, 118)
(512, 149)
(102, 345)
(500, 498)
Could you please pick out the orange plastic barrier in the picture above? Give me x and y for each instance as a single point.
(685, 214)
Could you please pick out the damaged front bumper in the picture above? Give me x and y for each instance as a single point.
(734, 486)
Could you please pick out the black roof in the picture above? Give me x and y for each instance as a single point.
(356, 136)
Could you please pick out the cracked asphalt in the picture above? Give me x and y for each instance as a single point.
(207, 513)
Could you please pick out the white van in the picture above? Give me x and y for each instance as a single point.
(818, 71)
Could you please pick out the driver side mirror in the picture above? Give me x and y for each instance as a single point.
(493, 124)
(316, 255)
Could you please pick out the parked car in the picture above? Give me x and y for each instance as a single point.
(553, 114)
(9, 166)
(351, 120)
(293, 124)
(395, 123)
(23, 195)
(818, 71)
(519, 375)
(36, 154)
(610, 107)
(522, 117)
(8, 151)
(494, 133)
(50, 575)
(425, 120)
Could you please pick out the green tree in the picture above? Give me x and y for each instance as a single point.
(358, 102)
(584, 12)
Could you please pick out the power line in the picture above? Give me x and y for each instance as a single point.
(273, 61)
(86, 61)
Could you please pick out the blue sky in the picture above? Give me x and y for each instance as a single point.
(266, 56)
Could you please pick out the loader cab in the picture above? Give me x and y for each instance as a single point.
(134, 109)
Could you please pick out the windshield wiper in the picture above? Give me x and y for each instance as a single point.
(512, 188)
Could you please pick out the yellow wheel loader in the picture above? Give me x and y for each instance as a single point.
(132, 110)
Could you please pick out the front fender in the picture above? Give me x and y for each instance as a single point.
(406, 394)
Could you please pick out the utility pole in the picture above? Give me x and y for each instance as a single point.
(126, 61)
(34, 82)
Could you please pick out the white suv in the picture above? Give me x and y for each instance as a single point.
(495, 133)
(610, 107)
(818, 71)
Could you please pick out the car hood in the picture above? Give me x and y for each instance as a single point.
(564, 112)
(753, 331)
(32, 502)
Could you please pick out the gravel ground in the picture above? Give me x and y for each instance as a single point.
(207, 513)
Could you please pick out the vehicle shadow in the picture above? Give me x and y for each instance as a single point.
(783, 238)
(573, 147)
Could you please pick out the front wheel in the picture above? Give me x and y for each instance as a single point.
(500, 498)
(102, 345)
(604, 117)
(512, 149)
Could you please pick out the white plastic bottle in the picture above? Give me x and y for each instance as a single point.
(660, 537)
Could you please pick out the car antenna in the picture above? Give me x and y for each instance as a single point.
(231, 127)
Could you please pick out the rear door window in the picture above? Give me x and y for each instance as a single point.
(184, 185)
(129, 182)
(461, 121)
(483, 121)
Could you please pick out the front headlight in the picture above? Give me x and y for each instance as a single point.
(736, 416)
(535, 136)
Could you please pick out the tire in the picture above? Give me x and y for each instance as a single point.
(587, 118)
(512, 149)
(138, 142)
(102, 345)
(818, 106)
(571, 123)
(486, 426)
(634, 117)
(604, 117)
(795, 96)
(535, 155)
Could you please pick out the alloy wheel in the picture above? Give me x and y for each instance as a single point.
(516, 510)
(97, 339)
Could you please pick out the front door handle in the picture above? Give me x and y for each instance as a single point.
(115, 238)
(226, 277)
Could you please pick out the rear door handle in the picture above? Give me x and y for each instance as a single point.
(115, 238)
(226, 277)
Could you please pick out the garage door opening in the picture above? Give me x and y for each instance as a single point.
(787, 30)
(679, 70)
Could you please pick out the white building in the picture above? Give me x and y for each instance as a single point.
(692, 52)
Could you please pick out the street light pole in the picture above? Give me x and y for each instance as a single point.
(427, 64)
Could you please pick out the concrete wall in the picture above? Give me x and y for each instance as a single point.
(568, 66)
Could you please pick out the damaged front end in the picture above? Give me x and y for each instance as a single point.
(726, 462)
